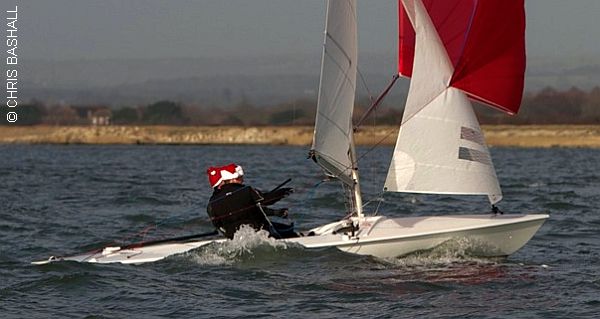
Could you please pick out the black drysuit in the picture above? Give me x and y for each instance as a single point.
(234, 205)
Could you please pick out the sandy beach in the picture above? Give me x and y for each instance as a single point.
(496, 135)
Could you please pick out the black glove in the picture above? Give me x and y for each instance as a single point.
(276, 195)
(286, 191)
(282, 212)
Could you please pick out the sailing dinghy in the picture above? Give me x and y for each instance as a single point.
(453, 50)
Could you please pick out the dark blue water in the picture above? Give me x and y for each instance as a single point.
(67, 199)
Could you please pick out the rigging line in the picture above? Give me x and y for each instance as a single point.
(349, 202)
(176, 231)
(117, 241)
(377, 102)
(373, 199)
(166, 240)
(375, 146)
(364, 83)
(142, 233)
(378, 205)
(379, 198)
(165, 221)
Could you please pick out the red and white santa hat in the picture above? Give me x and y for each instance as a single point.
(216, 175)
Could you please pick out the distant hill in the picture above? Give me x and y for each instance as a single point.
(229, 81)
(562, 73)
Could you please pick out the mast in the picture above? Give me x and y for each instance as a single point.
(356, 194)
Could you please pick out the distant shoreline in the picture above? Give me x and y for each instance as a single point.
(496, 135)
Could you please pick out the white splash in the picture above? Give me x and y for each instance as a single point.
(245, 241)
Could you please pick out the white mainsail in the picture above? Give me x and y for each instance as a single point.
(440, 148)
(332, 141)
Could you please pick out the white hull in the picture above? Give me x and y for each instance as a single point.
(486, 235)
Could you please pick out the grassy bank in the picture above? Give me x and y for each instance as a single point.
(501, 135)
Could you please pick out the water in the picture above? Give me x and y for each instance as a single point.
(69, 199)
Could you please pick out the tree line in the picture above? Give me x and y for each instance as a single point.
(547, 106)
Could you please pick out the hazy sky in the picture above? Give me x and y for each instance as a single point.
(66, 29)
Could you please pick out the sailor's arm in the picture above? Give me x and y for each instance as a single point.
(276, 195)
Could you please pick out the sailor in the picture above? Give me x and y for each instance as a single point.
(234, 204)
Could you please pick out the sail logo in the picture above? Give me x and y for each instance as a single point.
(469, 154)
(472, 135)
(473, 155)
(11, 64)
